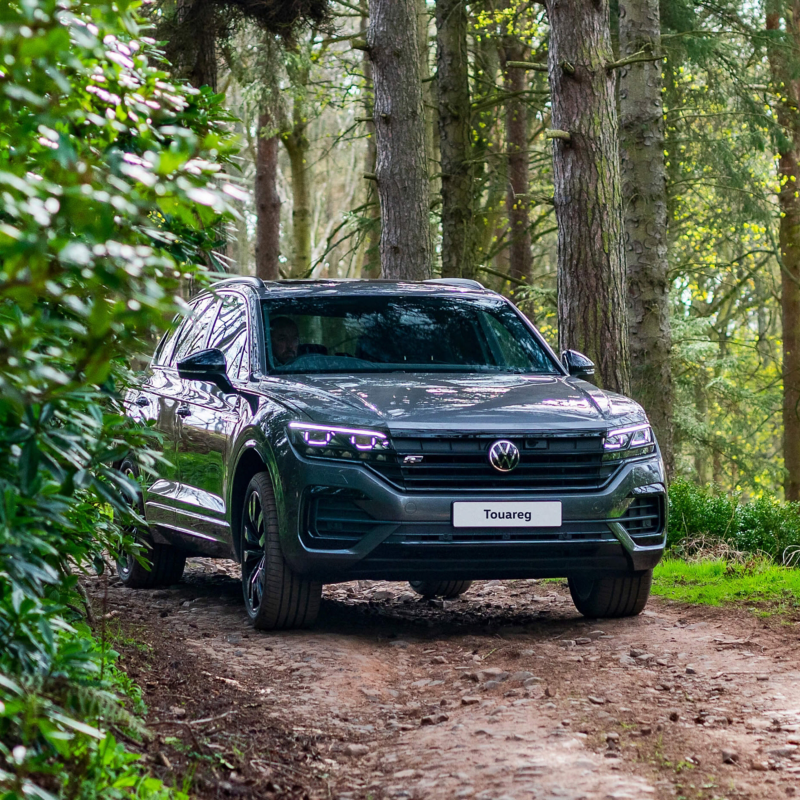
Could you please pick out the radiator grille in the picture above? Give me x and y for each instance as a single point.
(444, 533)
(461, 464)
(334, 522)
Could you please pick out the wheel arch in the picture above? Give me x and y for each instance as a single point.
(250, 463)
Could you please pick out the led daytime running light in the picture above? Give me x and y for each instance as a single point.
(339, 438)
(627, 438)
(333, 429)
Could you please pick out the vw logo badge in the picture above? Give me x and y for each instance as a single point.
(504, 455)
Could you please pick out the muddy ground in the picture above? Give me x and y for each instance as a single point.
(505, 693)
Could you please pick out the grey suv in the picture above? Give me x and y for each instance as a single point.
(321, 431)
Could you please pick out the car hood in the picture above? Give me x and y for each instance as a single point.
(454, 401)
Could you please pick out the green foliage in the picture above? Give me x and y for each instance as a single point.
(54, 738)
(758, 582)
(109, 196)
(764, 525)
(696, 511)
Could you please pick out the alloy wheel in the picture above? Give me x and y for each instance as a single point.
(254, 560)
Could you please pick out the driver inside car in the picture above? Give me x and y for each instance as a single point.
(285, 340)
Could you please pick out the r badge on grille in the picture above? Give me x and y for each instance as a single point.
(504, 455)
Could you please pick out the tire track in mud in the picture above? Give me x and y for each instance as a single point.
(504, 693)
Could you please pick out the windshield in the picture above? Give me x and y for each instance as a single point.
(395, 333)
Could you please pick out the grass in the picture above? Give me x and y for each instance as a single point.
(757, 582)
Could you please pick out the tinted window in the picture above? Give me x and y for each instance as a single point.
(229, 334)
(389, 334)
(165, 347)
(192, 336)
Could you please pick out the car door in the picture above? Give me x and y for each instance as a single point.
(209, 419)
(158, 401)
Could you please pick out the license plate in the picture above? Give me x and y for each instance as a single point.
(507, 515)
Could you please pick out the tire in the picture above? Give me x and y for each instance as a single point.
(276, 598)
(166, 563)
(440, 588)
(610, 597)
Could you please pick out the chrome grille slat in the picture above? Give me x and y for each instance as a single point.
(461, 464)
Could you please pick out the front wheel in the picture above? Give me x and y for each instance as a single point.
(609, 597)
(445, 589)
(275, 597)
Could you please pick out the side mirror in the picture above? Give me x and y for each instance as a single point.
(207, 365)
(577, 364)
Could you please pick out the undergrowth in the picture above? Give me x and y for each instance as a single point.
(757, 583)
(704, 522)
(110, 187)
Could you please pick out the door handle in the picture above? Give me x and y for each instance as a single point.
(142, 401)
(184, 411)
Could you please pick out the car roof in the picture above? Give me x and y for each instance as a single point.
(343, 286)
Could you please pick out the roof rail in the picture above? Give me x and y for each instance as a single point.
(466, 282)
(248, 279)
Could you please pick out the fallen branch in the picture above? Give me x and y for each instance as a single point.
(194, 721)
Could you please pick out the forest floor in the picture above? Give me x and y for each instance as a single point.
(504, 693)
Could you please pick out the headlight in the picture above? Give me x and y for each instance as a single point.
(330, 441)
(637, 440)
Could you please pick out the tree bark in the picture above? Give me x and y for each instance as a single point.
(592, 289)
(297, 147)
(458, 231)
(194, 50)
(517, 201)
(371, 266)
(399, 122)
(644, 190)
(784, 54)
(428, 94)
(268, 203)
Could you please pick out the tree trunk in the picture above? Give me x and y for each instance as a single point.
(428, 96)
(517, 202)
(268, 203)
(489, 218)
(592, 289)
(458, 239)
(371, 267)
(193, 52)
(783, 60)
(297, 146)
(399, 122)
(644, 190)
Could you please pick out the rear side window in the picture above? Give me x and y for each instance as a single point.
(229, 334)
(194, 331)
(163, 354)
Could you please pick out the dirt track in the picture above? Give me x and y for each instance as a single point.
(506, 693)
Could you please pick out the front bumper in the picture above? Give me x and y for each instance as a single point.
(391, 535)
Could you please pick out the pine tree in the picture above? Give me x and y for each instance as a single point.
(458, 228)
(587, 191)
(401, 168)
(783, 25)
(644, 190)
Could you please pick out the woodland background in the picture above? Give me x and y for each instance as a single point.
(305, 116)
